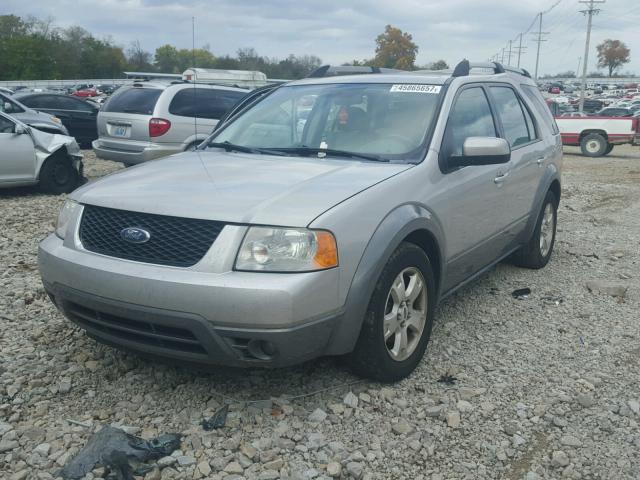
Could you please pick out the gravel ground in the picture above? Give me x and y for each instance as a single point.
(545, 386)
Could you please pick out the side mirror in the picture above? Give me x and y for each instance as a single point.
(21, 130)
(482, 151)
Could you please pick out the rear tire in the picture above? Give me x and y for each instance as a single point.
(400, 312)
(593, 145)
(57, 175)
(537, 252)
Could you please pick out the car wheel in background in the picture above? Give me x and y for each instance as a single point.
(593, 145)
(537, 252)
(57, 175)
(399, 318)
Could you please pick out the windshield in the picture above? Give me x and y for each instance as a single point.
(382, 120)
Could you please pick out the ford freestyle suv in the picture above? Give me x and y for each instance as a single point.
(145, 121)
(328, 217)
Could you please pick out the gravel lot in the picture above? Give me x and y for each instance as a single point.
(544, 387)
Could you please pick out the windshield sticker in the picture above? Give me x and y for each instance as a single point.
(415, 88)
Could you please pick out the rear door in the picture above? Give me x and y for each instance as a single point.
(125, 116)
(528, 153)
(18, 157)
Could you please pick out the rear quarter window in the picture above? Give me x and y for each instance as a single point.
(541, 107)
(204, 102)
(140, 101)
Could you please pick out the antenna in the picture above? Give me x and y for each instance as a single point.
(193, 55)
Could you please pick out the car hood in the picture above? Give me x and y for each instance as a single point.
(237, 188)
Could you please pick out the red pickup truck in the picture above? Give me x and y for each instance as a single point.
(596, 136)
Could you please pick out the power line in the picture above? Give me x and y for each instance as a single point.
(591, 11)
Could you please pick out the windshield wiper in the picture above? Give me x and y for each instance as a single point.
(334, 153)
(229, 147)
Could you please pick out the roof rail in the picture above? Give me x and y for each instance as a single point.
(338, 70)
(464, 67)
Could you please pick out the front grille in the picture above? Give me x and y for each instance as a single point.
(141, 332)
(175, 241)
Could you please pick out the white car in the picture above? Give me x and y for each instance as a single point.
(31, 157)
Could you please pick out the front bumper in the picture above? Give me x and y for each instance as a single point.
(229, 318)
(150, 151)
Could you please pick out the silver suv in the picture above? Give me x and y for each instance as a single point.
(329, 217)
(152, 120)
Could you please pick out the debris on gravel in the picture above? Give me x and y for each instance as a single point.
(543, 386)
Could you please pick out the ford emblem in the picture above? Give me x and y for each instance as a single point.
(135, 235)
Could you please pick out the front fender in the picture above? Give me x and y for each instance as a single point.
(393, 229)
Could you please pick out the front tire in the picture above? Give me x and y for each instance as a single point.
(399, 318)
(537, 252)
(57, 175)
(593, 145)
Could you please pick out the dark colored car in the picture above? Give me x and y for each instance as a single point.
(77, 115)
(615, 112)
(592, 106)
(107, 89)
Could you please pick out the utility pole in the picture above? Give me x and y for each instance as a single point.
(502, 56)
(520, 48)
(590, 12)
(509, 62)
(539, 40)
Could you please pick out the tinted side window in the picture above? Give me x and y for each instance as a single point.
(203, 102)
(133, 100)
(510, 112)
(6, 125)
(469, 117)
(8, 106)
(540, 106)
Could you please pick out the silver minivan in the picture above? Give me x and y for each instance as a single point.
(152, 120)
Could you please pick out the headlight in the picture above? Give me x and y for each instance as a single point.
(64, 217)
(287, 250)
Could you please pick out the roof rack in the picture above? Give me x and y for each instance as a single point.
(464, 67)
(335, 70)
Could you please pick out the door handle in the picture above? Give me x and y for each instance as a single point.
(501, 177)
(540, 161)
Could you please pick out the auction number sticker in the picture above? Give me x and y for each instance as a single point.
(415, 88)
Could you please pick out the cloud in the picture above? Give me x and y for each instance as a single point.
(339, 30)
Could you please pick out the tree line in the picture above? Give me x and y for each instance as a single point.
(34, 49)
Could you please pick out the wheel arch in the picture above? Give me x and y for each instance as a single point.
(597, 131)
(61, 152)
(411, 223)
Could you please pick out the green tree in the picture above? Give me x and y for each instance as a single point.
(166, 59)
(439, 65)
(395, 49)
(612, 54)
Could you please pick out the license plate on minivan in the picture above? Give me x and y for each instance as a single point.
(119, 131)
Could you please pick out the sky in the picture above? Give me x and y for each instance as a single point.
(339, 31)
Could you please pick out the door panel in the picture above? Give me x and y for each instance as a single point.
(473, 207)
(17, 156)
(527, 155)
